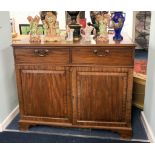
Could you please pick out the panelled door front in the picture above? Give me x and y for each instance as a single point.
(45, 93)
(100, 95)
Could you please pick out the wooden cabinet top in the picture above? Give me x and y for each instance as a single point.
(23, 40)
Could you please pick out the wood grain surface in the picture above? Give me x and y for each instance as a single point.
(86, 85)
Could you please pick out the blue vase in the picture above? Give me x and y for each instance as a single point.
(118, 19)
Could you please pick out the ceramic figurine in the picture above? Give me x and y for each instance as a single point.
(103, 21)
(13, 30)
(94, 23)
(42, 16)
(118, 19)
(69, 34)
(86, 33)
(51, 27)
(34, 36)
(93, 15)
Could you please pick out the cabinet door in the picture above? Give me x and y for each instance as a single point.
(102, 96)
(44, 93)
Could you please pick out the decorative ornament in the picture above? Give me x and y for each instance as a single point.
(74, 25)
(86, 33)
(69, 34)
(118, 19)
(34, 32)
(103, 21)
(51, 26)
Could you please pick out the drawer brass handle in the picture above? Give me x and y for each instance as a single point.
(41, 53)
(101, 53)
(107, 51)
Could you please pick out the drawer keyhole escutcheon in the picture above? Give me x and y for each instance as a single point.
(41, 52)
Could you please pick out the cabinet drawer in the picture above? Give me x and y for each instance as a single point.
(103, 56)
(42, 55)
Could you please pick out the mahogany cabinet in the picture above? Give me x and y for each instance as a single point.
(77, 84)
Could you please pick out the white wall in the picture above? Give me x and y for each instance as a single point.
(149, 106)
(21, 17)
(8, 93)
(128, 24)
